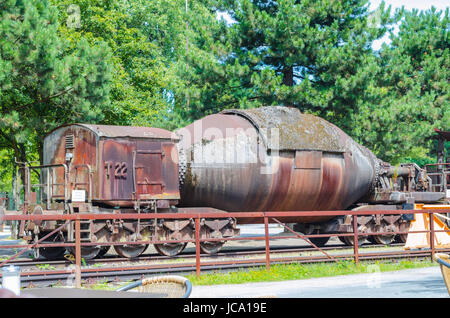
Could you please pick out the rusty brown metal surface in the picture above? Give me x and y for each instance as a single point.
(234, 163)
(68, 141)
(115, 165)
(269, 158)
(444, 134)
(266, 235)
(112, 131)
(77, 254)
(197, 246)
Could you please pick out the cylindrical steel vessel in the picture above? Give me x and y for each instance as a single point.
(272, 159)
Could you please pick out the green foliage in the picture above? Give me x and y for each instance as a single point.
(160, 63)
(280, 272)
(317, 56)
(42, 85)
(408, 95)
(307, 54)
(6, 170)
(194, 46)
(139, 76)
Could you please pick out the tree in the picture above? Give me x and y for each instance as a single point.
(409, 94)
(139, 78)
(193, 45)
(303, 53)
(41, 85)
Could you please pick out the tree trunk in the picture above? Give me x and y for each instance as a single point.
(20, 154)
(40, 145)
(288, 76)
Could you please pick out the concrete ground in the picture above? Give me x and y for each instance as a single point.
(5, 240)
(412, 283)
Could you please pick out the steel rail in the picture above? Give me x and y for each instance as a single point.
(188, 255)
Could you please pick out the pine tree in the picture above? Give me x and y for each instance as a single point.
(409, 94)
(303, 53)
(194, 46)
(41, 85)
(139, 77)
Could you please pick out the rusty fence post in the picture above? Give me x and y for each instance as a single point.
(197, 245)
(266, 233)
(431, 216)
(2, 205)
(355, 239)
(77, 254)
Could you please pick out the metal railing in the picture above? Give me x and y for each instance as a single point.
(440, 172)
(264, 217)
(49, 185)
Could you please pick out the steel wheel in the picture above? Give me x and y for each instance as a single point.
(103, 251)
(170, 249)
(403, 227)
(349, 240)
(319, 241)
(52, 252)
(131, 250)
(371, 239)
(401, 238)
(384, 239)
(87, 252)
(128, 250)
(103, 236)
(211, 247)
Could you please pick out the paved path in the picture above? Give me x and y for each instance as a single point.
(412, 283)
(5, 240)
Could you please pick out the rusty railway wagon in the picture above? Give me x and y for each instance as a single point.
(265, 159)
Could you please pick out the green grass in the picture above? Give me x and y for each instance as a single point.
(101, 285)
(303, 271)
(280, 272)
(45, 267)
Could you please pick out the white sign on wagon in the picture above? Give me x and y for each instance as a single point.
(78, 196)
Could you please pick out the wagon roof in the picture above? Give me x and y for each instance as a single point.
(444, 134)
(296, 130)
(110, 131)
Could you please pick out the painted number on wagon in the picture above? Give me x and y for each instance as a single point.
(120, 169)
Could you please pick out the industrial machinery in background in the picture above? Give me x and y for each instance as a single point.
(265, 159)
(440, 171)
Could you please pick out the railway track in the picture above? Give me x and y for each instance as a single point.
(188, 255)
